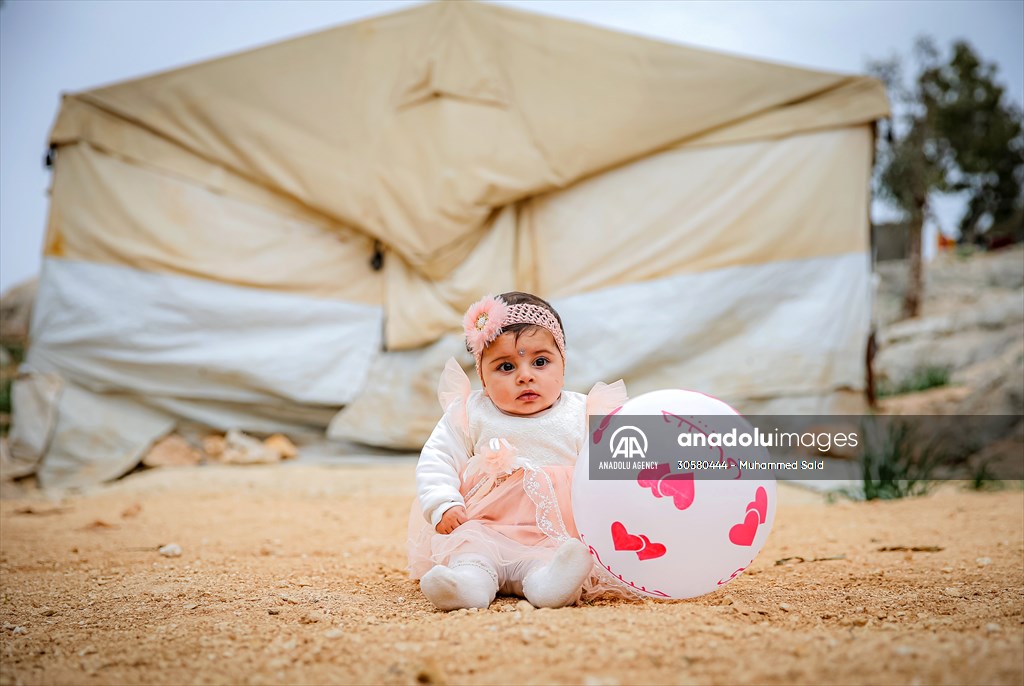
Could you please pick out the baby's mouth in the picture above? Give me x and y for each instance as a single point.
(528, 395)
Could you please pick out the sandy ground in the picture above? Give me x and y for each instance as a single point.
(294, 574)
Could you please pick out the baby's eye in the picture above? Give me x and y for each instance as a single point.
(540, 362)
(506, 367)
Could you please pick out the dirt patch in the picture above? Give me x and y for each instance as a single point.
(295, 574)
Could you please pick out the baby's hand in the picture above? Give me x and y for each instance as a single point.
(451, 519)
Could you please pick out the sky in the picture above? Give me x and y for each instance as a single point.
(50, 47)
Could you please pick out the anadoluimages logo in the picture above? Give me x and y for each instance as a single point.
(629, 442)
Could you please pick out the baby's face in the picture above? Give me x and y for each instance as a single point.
(526, 383)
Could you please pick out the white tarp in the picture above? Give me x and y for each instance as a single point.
(113, 328)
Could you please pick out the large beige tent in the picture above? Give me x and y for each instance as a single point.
(284, 239)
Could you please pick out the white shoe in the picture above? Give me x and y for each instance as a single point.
(560, 582)
(463, 586)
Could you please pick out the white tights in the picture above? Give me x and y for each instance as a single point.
(472, 580)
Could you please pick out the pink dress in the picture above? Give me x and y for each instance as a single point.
(514, 476)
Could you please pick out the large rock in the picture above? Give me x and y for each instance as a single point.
(972, 325)
(951, 282)
(16, 312)
(897, 364)
(998, 311)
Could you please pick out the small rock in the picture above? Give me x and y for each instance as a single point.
(312, 617)
(904, 650)
(171, 451)
(273, 611)
(953, 592)
(241, 448)
(524, 606)
(213, 445)
(47, 612)
(784, 607)
(170, 550)
(992, 628)
(19, 630)
(280, 444)
(860, 621)
(984, 561)
(334, 633)
(507, 608)
(191, 606)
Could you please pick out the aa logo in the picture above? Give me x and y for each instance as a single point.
(629, 442)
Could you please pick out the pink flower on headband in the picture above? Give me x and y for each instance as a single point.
(483, 322)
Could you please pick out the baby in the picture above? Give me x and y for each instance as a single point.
(494, 479)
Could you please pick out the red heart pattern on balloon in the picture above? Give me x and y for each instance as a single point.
(623, 540)
(744, 532)
(680, 488)
(663, 482)
(648, 478)
(650, 550)
(760, 504)
(640, 544)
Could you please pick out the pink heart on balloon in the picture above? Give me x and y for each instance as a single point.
(623, 540)
(650, 550)
(759, 504)
(648, 478)
(680, 488)
(743, 534)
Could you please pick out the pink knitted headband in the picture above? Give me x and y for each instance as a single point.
(485, 320)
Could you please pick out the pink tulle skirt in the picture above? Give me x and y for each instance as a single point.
(522, 519)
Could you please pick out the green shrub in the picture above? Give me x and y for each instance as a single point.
(898, 464)
(922, 379)
(5, 406)
(5, 396)
(16, 350)
(965, 250)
